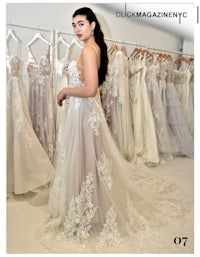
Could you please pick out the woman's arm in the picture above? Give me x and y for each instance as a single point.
(90, 74)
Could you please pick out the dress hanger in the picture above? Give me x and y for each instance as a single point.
(74, 41)
(181, 59)
(11, 34)
(113, 48)
(123, 49)
(62, 40)
(37, 36)
(135, 52)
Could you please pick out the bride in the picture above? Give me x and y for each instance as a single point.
(95, 193)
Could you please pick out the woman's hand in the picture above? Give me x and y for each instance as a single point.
(62, 95)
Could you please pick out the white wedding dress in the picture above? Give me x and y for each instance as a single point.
(98, 201)
(145, 140)
(28, 165)
(116, 104)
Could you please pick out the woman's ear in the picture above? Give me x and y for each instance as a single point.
(93, 24)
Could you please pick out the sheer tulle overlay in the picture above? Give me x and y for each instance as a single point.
(41, 101)
(28, 165)
(98, 201)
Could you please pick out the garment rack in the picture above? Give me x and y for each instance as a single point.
(106, 39)
(28, 27)
(145, 46)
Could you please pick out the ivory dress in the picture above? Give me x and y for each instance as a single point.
(145, 139)
(28, 165)
(98, 201)
(115, 102)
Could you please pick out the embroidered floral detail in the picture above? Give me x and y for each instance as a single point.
(104, 169)
(29, 139)
(110, 235)
(51, 150)
(81, 211)
(94, 120)
(136, 221)
(44, 65)
(74, 74)
(18, 124)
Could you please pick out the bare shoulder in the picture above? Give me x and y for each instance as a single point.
(91, 49)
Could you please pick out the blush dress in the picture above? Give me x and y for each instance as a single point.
(99, 202)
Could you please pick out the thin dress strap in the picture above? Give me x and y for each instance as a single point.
(95, 52)
(94, 49)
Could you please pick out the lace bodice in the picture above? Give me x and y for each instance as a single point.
(163, 68)
(62, 67)
(74, 75)
(151, 73)
(43, 67)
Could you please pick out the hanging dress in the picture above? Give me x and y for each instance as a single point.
(143, 122)
(162, 82)
(182, 85)
(61, 81)
(97, 198)
(119, 116)
(28, 165)
(41, 100)
(159, 114)
(190, 117)
(183, 143)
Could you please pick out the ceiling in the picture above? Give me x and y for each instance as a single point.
(181, 22)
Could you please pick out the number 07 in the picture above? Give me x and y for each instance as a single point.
(178, 240)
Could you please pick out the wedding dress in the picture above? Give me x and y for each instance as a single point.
(182, 140)
(28, 165)
(115, 102)
(41, 100)
(182, 84)
(159, 114)
(61, 79)
(98, 201)
(145, 140)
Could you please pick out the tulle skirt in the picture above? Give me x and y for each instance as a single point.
(98, 201)
(183, 143)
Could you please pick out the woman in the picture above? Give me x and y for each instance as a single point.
(96, 195)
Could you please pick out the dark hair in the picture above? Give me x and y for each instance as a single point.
(99, 38)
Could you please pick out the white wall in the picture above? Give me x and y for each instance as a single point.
(188, 47)
(58, 16)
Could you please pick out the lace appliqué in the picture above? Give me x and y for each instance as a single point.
(74, 74)
(110, 235)
(136, 222)
(81, 211)
(94, 120)
(104, 170)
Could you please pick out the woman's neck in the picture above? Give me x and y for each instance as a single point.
(89, 41)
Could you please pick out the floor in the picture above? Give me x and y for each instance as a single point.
(24, 213)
